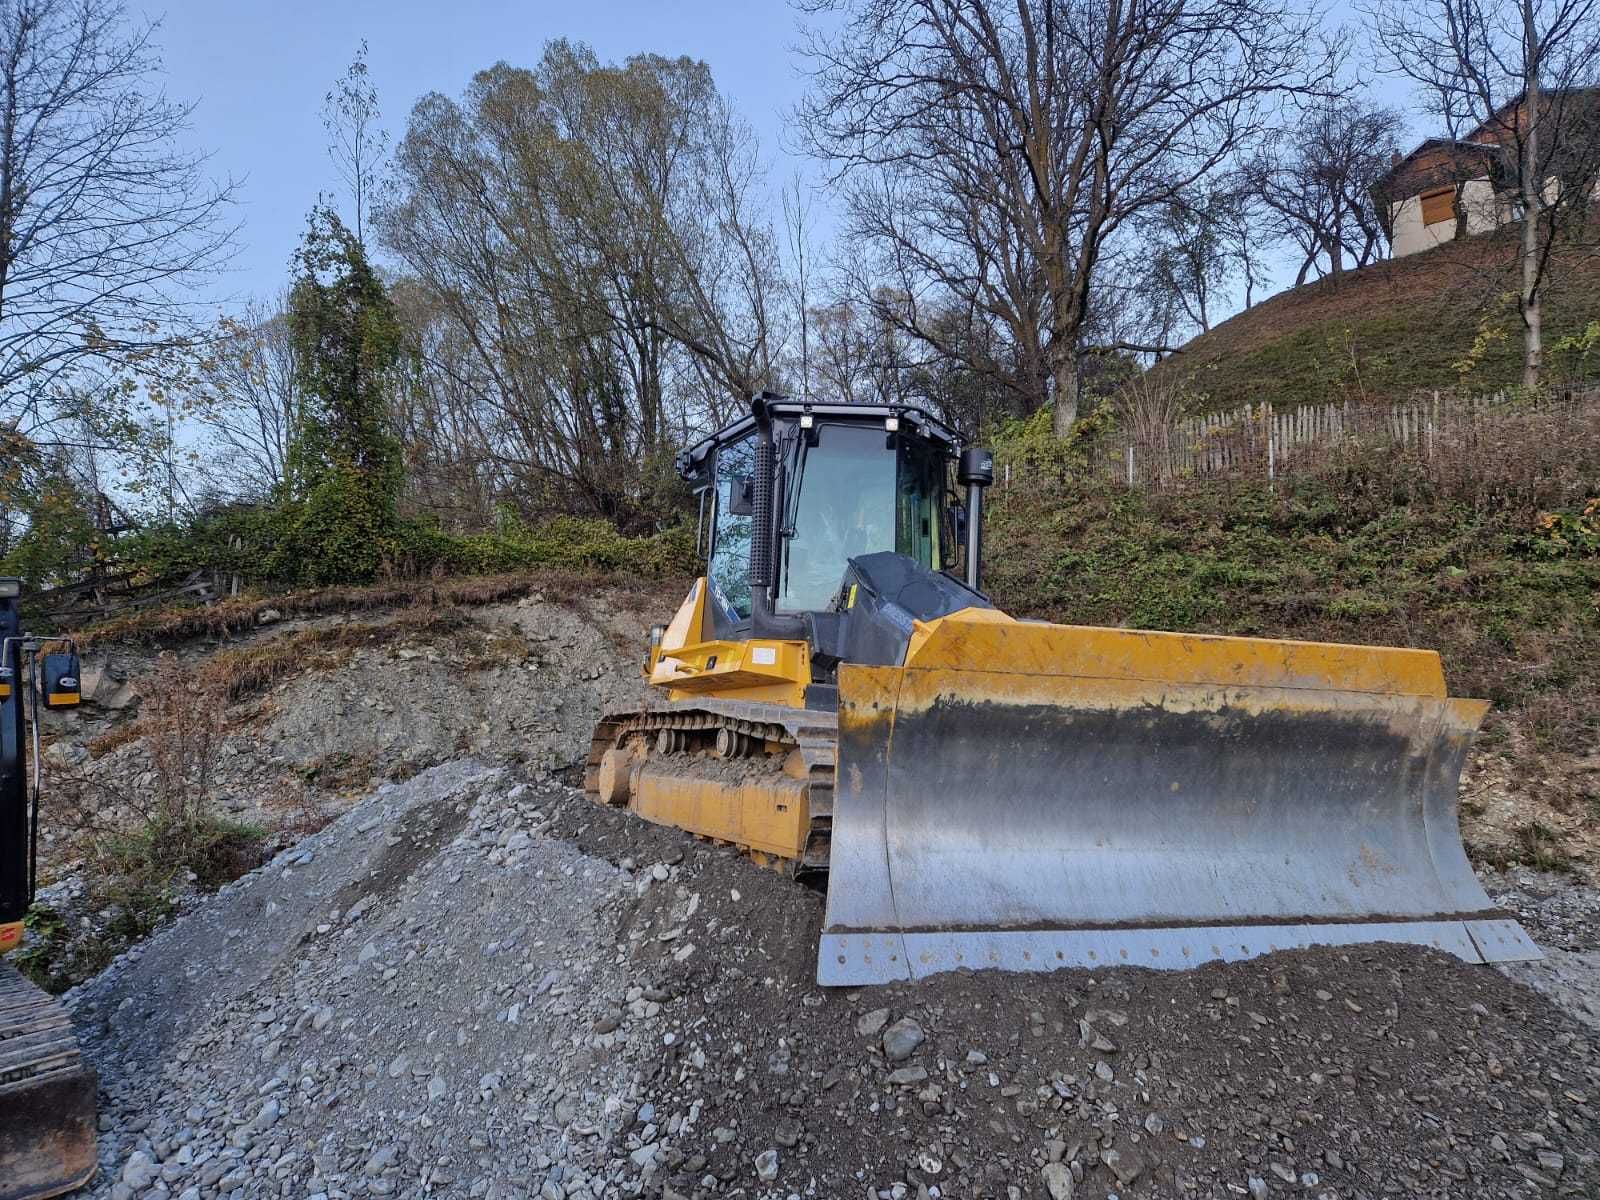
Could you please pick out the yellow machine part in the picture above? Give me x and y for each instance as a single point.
(689, 666)
(1028, 796)
(762, 811)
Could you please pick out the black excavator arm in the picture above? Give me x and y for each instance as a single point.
(47, 1092)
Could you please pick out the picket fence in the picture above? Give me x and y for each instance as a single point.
(1259, 441)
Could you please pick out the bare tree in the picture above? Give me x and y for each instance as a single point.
(1191, 260)
(356, 142)
(1519, 77)
(246, 399)
(107, 225)
(797, 227)
(993, 153)
(845, 336)
(1316, 183)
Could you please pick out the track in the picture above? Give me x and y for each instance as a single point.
(47, 1095)
(768, 732)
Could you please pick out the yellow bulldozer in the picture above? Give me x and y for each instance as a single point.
(838, 698)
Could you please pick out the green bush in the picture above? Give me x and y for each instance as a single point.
(343, 532)
(337, 536)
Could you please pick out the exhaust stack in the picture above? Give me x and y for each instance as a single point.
(975, 472)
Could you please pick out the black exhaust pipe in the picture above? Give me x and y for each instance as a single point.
(975, 471)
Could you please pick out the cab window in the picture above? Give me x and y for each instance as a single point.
(729, 568)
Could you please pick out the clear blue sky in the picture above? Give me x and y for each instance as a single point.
(257, 72)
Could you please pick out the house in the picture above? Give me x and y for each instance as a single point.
(1448, 188)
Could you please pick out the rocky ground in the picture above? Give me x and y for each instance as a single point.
(1563, 915)
(473, 982)
(520, 682)
(477, 985)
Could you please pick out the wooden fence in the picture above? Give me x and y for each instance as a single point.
(1259, 442)
(103, 595)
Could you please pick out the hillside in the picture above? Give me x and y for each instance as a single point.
(1391, 329)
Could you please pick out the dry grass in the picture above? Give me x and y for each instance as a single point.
(241, 616)
(1388, 330)
(250, 670)
(114, 739)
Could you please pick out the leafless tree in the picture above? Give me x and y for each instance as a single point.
(245, 398)
(798, 230)
(845, 351)
(1191, 259)
(356, 142)
(992, 153)
(107, 225)
(1316, 183)
(1519, 76)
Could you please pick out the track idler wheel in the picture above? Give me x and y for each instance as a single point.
(733, 744)
(618, 766)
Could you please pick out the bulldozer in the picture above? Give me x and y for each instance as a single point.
(47, 1091)
(838, 698)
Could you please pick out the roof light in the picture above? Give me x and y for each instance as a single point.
(807, 420)
(891, 423)
(10, 588)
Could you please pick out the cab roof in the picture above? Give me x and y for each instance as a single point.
(694, 462)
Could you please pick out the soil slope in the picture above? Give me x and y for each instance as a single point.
(1390, 329)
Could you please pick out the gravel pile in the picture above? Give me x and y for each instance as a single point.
(1563, 915)
(476, 986)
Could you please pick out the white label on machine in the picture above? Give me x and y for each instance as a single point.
(764, 656)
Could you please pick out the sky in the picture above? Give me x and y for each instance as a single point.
(257, 72)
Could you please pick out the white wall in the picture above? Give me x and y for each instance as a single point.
(1484, 212)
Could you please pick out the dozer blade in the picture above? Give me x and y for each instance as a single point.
(1028, 797)
(47, 1096)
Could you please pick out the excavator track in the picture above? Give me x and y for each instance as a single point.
(696, 737)
(47, 1095)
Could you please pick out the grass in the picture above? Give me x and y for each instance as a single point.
(1392, 330)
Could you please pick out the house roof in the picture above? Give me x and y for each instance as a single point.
(1398, 167)
(1483, 127)
(1475, 142)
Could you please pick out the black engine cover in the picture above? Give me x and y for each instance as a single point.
(873, 617)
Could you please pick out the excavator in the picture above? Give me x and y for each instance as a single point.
(837, 698)
(47, 1091)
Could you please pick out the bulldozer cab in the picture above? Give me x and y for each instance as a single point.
(845, 481)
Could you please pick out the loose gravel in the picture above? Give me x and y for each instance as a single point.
(478, 985)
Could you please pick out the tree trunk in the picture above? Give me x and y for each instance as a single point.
(1066, 377)
(1532, 202)
(1532, 330)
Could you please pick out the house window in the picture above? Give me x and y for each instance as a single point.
(1438, 205)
